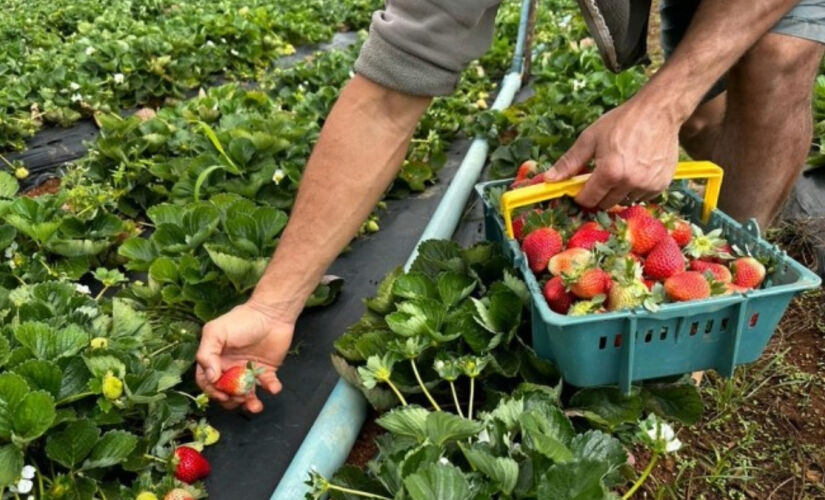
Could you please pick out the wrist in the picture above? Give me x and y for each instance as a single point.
(671, 95)
(284, 311)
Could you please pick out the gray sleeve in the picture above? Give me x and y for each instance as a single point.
(420, 47)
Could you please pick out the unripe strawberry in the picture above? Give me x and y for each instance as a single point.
(99, 343)
(539, 246)
(570, 261)
(21, 172)
(112, 386)
(146, 495)
(626, 296)
(178, 494)
(206, 434)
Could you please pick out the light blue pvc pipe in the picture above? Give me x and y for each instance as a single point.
(331, 437)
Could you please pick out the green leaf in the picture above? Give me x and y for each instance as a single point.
(33, 415)
(406, 324)
(5, 350)
(435, 256)
(438, 481)
(71, 445)
(164, 270)
(13, 388)
(271, 222)
(100, 364)
(406, 421)
(243, 273)
(11, 463)
(502, 470)
(46, 342)
(41, 375)
(517, 286)
(384, 299)
(414, 286)
(598, 446)
(608, 406)
(509, 412)
(139, 251)
(501, 313)
(579, 480)
(443, 427)
(548, 432)
(165, 213)
(8, 185)
(680, 401)
(113, 447)
(455, 287)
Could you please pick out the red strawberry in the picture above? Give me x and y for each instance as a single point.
(719, 271)
(643, 233)
(518, 226)
(681, 232)
(633, 211)
(569, 261)
(557, 296)
(731, 288)
(687, 285)
(190, 465)
(536, 180)
(590, 283)
(588, 235)
(526, 169)
(539, 246)
(649, 283)
(238, 380)
(747, 272)
(664, 260)
(178, 494)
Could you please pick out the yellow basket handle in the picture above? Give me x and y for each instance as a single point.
(537, 193)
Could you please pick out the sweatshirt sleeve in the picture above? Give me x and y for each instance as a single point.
(420, 47)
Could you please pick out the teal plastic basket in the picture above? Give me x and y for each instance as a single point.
(627, 346)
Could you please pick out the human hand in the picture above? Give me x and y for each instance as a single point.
(635, 148)
(247, 333)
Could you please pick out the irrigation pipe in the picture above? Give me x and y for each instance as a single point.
(331, 437)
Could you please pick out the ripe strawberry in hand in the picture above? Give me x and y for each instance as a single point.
(238, 380)
(569, 261)
(590, 283)
(643, 233)
(664, 260)
(687, 285)
(540, 245)
(719, 271)
(747, 272)
(588, 235)
(557, 296)
(190, 465)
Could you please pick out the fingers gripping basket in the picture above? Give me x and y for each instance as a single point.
(626, 346)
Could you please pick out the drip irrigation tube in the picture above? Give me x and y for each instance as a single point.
(331, 437)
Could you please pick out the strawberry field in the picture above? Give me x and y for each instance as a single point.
(113, 262)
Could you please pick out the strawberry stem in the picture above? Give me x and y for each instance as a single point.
(424, 387)
(639, 482)
(397, 392)
(154, 458)
(472, 396)
(455, 400)
(359, 493)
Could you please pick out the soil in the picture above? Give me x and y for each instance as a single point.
(365, 448)
(50, 186)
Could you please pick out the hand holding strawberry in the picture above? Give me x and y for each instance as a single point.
(249, 333)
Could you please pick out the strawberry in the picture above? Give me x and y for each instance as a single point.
(731, 288)
(238, 380)
(569, 261)
(178, 494)
(584, 307)
(588, 235)
(649, 283)
(680, 229)
(190, 465)
(557, 296)
(540, 245)
(633, 211)
(719, 271)
(747, 272)
(526, 169)
(518, 226)
(111, 387)
(590, 283)
(536, 180)
(146, 495)
(627, 295)
(664, 260)
(643, 233)
(687, 285)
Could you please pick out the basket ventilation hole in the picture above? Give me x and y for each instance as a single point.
(602, 342)
(694, 327)
(754, 320)
(709, 327)
(663, 333)
(617, 342)
(723, 325)
(649, 336)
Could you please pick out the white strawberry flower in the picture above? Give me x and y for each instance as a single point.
(278, 176)
(82, 289)
(90, 50)
(659, 435)
(76, 97)
(234, 52)
(9, 252)
(74, 85)
(119, 78)
(28, 472)
(210, 43)
(443, 461)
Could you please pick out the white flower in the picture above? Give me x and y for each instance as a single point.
(673, 445)
(443, 461)
(90, 50)
(74, 86)
(76, 97)
(278, 176)
(234, 52)
(28, 472)
(579, 84)
(9, 253)
(210, 43)
(24, 486)
(118, 78)
(659, 435)
(82, 289)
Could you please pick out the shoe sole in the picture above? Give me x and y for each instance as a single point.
(598, 30)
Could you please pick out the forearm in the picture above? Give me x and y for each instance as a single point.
(720, 33)
(358, 154)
